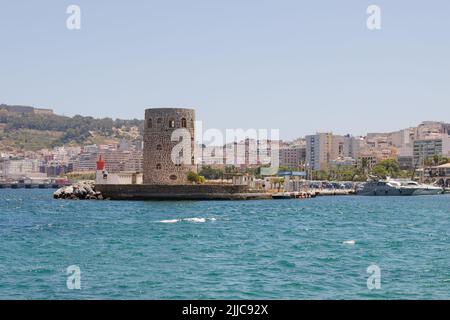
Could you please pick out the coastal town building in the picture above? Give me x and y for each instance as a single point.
(405, 162)
(429, 129)
(434, 145)
(318, 150)
(293, 157)
(323, 148)
(19, 168)
(103, 177)
(411, 147)
(343, 162)
(85, 162)
(246, 153)
(212, 156)
(438, 174)
(367, 160)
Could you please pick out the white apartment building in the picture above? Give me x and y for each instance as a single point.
(318, 150)
(428, 129)
(429, 147)
(15, 169)
(247, 153)
(323, 148)
(211, 155)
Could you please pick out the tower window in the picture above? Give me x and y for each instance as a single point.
(149, 123)
(171, 123)
(159, 147)
(158, 166)
(183, 123)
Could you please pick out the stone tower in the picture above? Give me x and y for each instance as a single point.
(169, 145)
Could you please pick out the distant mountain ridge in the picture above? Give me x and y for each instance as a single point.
(21, 124)
(25, 109)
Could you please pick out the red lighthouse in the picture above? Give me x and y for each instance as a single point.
(100, 164)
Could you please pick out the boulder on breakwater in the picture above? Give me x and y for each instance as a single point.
(83, 190)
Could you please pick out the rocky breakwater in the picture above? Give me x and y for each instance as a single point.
(83, 190)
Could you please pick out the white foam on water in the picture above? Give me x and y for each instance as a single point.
(349, 242)
(169, 221)
(195, 220)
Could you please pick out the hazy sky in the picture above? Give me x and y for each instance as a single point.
(301, 66)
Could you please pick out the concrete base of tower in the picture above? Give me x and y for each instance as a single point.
(179, 192)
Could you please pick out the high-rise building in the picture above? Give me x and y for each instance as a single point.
(292, 157)
(322, 148)
(433, 146)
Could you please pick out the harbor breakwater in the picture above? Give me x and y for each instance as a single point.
(84, 190)
(180, 192)
(89, 191)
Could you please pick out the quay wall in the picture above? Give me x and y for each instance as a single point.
(179, 192)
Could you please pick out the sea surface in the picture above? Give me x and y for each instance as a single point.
(274, 249)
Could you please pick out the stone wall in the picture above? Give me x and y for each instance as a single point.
(179, 192)
(162, 125)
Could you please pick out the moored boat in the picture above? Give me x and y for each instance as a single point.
(422, 189)
(391, 187)
(384, 188)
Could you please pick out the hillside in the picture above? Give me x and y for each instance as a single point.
(37, 130)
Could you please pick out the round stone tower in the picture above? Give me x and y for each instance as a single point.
(169, 145)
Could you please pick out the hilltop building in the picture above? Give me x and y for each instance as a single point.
(25, 109)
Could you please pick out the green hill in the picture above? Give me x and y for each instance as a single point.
(33, 131)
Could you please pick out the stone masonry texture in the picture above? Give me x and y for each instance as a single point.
(162, 125)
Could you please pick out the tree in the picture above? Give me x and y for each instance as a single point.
(195, 178)
(387, 167)
(436, 160)
(77, 128)
(277, 181)
(211, 173)
(344, 173)
(380, 171)
(320, 175)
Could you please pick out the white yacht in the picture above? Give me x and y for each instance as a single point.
(390, 187)
(384, 188)
(422, 189)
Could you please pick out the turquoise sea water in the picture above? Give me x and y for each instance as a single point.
(282, 249)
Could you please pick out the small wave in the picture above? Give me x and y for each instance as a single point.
(196, 220)
(349, 242)
(169, 221)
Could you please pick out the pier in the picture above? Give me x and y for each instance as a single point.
(312, 193)
(180, 192)
(30, 186)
